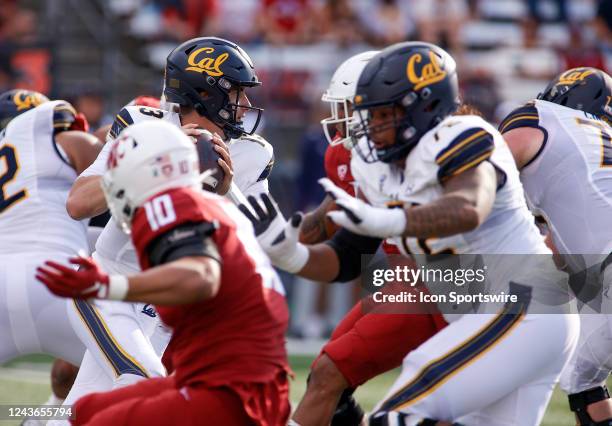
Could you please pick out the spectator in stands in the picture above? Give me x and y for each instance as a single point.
(603, 23)
(580, 52)
(185, 19)
(535, 12)
(386, 21)
(239, 22)
(287, 21)
(91, 104)
(338, 22)
(439, 22)
(17, 25)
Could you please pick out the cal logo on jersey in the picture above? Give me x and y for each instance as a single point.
(425, 74)
(202, 60)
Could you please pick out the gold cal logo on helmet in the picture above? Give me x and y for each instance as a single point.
(572, 76)
(25, 100)
(430, 73)
(209, 65)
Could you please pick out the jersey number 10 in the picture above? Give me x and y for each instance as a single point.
(160, 212)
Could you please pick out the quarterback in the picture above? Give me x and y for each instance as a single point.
(220, 108)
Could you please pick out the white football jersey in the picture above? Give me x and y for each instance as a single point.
(252, 160)
(569, 182)
(456, 144)
(35, 178)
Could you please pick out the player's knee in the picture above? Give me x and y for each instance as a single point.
(580, 402)
(63, 375)
(326, 377)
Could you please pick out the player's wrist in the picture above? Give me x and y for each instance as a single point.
(295, 260)
(396, 222)
(118, 286)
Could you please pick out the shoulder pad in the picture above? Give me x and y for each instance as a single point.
(524, 116)
(465, 151)
(257, 139)
(133, 114)
(64, 115)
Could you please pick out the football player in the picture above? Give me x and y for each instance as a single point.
(561, 144)
(43, 148)
(348, 359)
(209, 280)
(205, 83)
(460, 193)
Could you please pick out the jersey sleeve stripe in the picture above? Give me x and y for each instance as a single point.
(525, 116)
(459, 142)
(63, 117)
(472, 154)
(266, 171)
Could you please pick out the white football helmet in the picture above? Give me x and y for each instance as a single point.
(145, 159)
(340, 94)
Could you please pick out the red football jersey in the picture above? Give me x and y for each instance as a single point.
(239, 335)
(338, 167)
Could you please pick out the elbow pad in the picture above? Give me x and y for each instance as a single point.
(349, 248)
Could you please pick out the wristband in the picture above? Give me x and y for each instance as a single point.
(118, 286)
(296, 261)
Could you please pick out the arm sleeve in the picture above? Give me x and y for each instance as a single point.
(525, 116)
(192, 239)
(122, 120)
(468, 149)
(63, 116)
(349, 248)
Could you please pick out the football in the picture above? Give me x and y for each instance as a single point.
(209, 160)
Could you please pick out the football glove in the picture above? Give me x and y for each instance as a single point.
(275, 235)
(362, 218)
(87, 282)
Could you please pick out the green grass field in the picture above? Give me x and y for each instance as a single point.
(26, 381)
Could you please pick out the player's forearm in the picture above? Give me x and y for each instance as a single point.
(323, 264)
(314, 225)
(449, 215)
(86, 198)
(180, 282)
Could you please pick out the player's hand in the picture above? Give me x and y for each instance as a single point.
(192, 130)
(275, 235)
(360, 217)
(225, 162)
(87, 282)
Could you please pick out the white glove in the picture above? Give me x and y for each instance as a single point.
(360, 217)
(275, 235)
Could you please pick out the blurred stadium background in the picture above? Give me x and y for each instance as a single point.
(99, 54)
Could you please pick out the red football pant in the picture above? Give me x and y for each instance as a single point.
(158, 401)
(364, 345)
